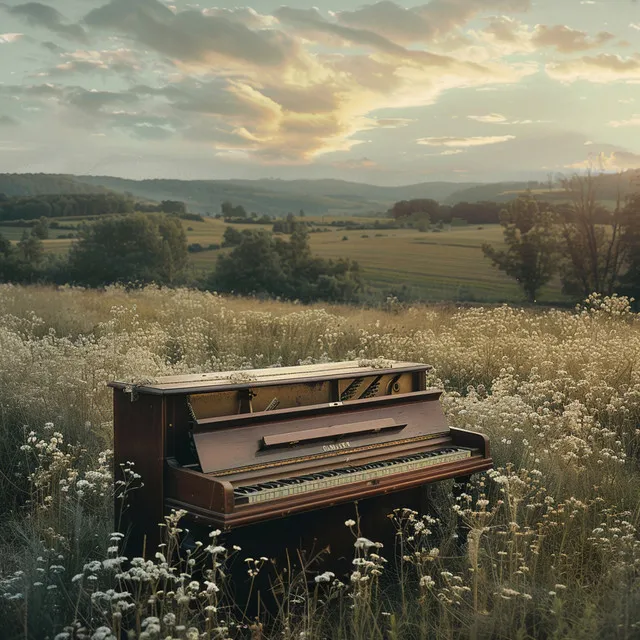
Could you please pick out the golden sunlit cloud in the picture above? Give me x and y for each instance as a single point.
(603, 68)
(473, 141)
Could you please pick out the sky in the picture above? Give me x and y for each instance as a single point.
(388, 93)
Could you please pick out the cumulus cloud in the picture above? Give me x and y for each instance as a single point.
(567, 40)
(290, 86)
(45, 16)
(281, 103)
(192, 36)
(425, 22)
(244, 15)
(602, 68)
(474, 141)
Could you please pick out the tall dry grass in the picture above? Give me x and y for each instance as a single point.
(552, 551)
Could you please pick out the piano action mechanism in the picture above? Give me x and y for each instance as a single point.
(237, 449)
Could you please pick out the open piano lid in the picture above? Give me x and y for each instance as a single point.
(249, 378)
(248, 441)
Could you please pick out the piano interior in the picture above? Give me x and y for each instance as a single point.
(236, 449)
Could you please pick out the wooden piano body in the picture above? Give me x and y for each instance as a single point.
(240, 451)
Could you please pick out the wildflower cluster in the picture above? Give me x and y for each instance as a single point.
(545, 545)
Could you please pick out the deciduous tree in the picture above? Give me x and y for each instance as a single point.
(594, 239)
(138, 248)
(531, 256)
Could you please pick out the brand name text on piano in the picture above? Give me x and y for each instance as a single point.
(336, 447)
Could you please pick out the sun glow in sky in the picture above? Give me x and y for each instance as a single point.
(388, 92)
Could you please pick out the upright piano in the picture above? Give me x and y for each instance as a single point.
(241, 451)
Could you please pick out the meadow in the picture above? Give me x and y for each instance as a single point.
(444, 265)
(553, 549)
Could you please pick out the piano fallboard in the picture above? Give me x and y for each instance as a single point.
(213, 500)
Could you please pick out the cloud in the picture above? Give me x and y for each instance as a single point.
(475, 141)
(634, 121)
(8, 38)
(42, 15)
(356, 163)
(622, 160)
(489, 118)
(311, 20)
(614, 161)
(307, 105)
(567, 40)
(53, 47)
(124, 61)
(393, 123)
(602, 68)
(426, 22)
(191, 36)
(507, 36)
(8, 121)
(283, 88)
(244, 15)
(497, 118)
(94, 101)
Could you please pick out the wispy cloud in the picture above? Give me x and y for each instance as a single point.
(489, 118)
(473, 141)
(603, 68)
(7, 38)
(634, 121)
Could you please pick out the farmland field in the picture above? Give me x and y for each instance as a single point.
(447, 265)
(553, 545)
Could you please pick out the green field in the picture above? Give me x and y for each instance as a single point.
(445, 265)
(448, 265)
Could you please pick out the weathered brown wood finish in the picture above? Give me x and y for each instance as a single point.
(196, 439)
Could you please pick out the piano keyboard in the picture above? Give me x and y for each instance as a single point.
(285, 487)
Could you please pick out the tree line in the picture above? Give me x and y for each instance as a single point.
(591, 248)
(79, 205)
(140, 248)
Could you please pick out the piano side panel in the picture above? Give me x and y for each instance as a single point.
(464, 438)
(196, 489)
(139, 438)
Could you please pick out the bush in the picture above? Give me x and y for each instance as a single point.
(137, 248)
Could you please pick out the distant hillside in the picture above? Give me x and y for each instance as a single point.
(608, 186)
(37, 184)
(278, 196)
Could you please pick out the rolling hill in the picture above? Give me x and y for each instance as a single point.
(316, 197)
